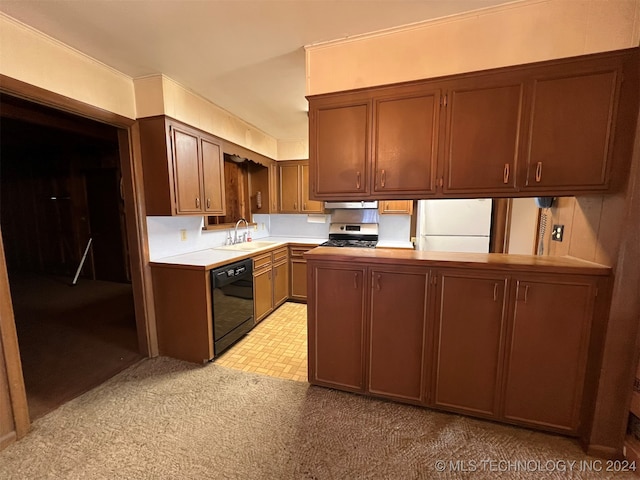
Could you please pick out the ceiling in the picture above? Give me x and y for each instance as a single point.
(245, 56)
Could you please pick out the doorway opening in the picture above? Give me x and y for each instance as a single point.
(60, 185)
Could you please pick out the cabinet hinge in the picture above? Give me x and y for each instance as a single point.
(443, 101)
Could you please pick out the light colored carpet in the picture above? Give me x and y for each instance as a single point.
(166, 419)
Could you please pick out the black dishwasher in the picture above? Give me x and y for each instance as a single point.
(232, 303)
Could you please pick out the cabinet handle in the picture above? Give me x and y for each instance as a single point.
(495, 292)
(295, 205)
(208, 203)
(197, 202)
(358, 180)
(384, 178)
(505, 174)
(304, 205)
(387, 207)
(526, 293)
(355, 280)
(539, 172)
(378, 282)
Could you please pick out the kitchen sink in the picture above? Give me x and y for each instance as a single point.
(248, 246)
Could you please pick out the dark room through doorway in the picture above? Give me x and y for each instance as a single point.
(61, 189)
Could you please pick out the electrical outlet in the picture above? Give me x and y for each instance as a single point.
(183, 235)
(557, 233)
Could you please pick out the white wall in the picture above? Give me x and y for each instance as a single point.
(517, 33)
(522, 228)
(296, 225)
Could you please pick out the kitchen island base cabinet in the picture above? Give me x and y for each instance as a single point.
(503, 337)
(398, 333)
(336, 327)
(547, 353)
(469, 326)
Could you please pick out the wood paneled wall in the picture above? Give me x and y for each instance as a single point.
(7, 425)
(593, 226)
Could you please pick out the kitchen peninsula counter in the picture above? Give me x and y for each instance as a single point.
(511, 338)
(489, 261)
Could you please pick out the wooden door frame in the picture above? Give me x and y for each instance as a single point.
(137, 238)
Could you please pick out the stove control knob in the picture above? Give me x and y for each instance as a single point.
(342, 227)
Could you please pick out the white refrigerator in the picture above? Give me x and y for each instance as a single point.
(454, 225)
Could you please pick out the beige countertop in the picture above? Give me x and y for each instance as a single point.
(218, 256)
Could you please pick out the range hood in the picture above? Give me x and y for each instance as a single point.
(333, 205)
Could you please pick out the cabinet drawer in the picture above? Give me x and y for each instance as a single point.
(280, 255)
(262, 261)
(298, 252)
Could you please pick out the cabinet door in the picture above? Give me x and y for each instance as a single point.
(469, 336)
(262, 294)
(571, 129)
(213, 177)
(298, 279)
(289, 189)
(339, 149)
(336, 326)
(547, 351)
(308, 206)
(280, 284)
(404, 207)
(186, 172)
(398, 333)
(481, 147)
(405, 144)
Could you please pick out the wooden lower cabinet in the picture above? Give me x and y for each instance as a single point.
(469, 327)
(547, 352)
(270, 282)
(262, 294)
(298, 274)
(280, 283)
(397, 333)
(336, 326)
(511, 346)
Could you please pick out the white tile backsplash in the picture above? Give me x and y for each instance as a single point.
(284, 225)
(166, 236)
(394, 228)
(166, 233)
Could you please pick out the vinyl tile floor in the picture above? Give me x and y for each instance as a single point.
(277, 346)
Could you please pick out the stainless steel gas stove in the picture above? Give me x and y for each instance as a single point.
(360, 235)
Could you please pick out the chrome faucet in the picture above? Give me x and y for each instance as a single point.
(246, 235)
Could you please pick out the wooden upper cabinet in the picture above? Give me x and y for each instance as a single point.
(405, 143)
(186, 171)
(289, 189)
(308, 205)
(294, 188)
(213, 177)
(183, 169)
(401, 207)
(561, 127)
(339, 148)
(571, 128)
(482, 138)
(547, 352)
